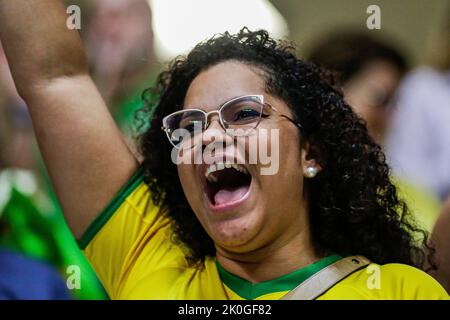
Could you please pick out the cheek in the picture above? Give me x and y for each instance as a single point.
(188, 182)
(290, 160)
(286, 165)
(182, 176)
(182, 173)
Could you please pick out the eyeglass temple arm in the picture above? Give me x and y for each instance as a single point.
(293, 121)
(290, 119)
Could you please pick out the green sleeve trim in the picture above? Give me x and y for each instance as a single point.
(112, 207)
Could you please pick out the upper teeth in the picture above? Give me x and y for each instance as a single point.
(220, 166)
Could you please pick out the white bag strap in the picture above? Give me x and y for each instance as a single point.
(326, 278)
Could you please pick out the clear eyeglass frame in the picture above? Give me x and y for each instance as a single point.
(225, 125)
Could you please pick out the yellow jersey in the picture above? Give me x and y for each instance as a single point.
(130, 246)
(425, 207)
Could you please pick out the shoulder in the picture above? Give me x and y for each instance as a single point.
(422, 89)
(421, 77)
(389, 282)
(131, 206)
(411, 280)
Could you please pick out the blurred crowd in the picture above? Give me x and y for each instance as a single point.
(406, 108)
(117, 35)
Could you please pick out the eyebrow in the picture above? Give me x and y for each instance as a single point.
(184, 115)
(251, 97)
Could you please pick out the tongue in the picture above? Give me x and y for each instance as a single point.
(225, 196)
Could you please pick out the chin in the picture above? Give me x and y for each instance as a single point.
(234, 234)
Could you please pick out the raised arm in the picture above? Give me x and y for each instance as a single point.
(87, 159)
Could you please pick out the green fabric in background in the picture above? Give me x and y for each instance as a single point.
(45, 237)
(42, 233)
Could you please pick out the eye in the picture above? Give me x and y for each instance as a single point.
(246, 114)
(191, 124)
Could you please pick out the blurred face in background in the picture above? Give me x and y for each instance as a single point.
(119, 41)
(120, 33)
(370, 92)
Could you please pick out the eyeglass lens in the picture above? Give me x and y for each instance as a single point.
(240, 115)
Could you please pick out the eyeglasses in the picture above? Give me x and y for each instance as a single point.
(238, 116)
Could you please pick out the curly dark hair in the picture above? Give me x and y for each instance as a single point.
(354, 206)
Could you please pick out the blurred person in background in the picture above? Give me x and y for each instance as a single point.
(440, 240)
(119, 42)
(430, 85)
(21, 276)
(15, 122)
(418, 144)
(33, 225)
(119, 46)
(369, 71)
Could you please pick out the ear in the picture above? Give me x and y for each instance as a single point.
(309, 165)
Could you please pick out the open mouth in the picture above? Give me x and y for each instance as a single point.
(226, 184)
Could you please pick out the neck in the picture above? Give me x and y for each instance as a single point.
(270, 261)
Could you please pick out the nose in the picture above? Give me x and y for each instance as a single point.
(215, 133)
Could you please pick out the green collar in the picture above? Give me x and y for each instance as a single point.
(250, 291)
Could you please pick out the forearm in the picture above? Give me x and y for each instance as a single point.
(37, 42)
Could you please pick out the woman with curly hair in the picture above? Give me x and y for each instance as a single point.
(324, 225)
